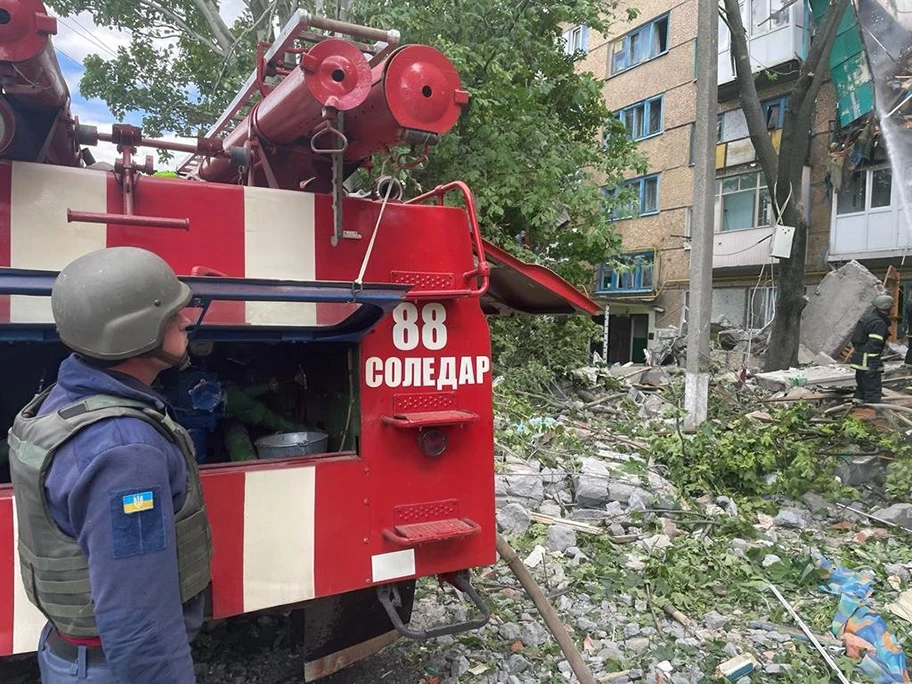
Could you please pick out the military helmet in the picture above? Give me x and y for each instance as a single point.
(115, 303)
(883, 302)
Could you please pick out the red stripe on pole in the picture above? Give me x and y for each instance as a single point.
(7, 572)
(224, 495)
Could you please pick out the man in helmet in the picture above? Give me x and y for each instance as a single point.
(114, 541)
(868, 342)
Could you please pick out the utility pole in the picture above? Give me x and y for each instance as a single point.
(696, 380)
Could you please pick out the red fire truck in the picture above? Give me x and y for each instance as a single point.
(352, 326)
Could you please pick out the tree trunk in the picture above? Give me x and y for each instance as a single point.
(220, 31)
(790, 294)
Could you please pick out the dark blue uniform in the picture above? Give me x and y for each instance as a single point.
(868, 341)
(144, 629)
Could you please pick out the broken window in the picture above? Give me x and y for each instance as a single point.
(643, 119)
(724, 35)
(732, 124)
(640, 45)
(762, 307)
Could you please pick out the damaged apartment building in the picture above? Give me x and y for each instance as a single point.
(853, 206)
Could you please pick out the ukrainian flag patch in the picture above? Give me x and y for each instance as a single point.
(136, 503)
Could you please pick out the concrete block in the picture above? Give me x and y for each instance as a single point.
(860, 470)
(824, 360)
(814, 376)
(835, 306)
(805, 356)
(736, 360)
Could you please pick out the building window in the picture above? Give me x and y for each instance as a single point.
(638, 46)
(857, 188)
(628, 273)
(762, 303)
(768, 15)
(732, 125)
(742, 202)
(576, 40)
(643, 119)
(881, 188)
(692, 150)
(774, 112)
(724, 36)
(644, 197)
(765, 16)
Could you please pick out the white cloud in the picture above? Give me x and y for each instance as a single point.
(78, 37)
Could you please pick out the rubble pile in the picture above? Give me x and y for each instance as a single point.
(833, 308)
(659, 585)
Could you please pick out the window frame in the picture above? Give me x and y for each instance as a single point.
(644, 36)
(769, 294)
(719, 202)
(747, 19)
(646, 106)
(868, 194)
(640, 181)
(638, 270)
(765, 105)
(582, 30)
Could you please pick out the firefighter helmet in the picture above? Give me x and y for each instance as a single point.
(114, 304)
(883, 302)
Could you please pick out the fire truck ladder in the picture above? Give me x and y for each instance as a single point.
(274, 65)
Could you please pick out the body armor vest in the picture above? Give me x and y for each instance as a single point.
(55, 571)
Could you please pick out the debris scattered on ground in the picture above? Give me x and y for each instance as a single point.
(658, 547)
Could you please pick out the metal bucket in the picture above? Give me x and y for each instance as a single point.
(291, 444)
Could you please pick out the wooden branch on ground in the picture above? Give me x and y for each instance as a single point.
(582, 527)
(549, 615)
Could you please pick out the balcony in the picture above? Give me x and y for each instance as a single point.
(742, 221)
(867, 218)
(776, 35)
(737, 248)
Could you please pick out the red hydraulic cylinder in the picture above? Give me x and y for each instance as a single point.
(417, 89)
(31, 75)
(36, 95)
(332, 74)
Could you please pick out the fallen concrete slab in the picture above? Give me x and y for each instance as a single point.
(814, 376)
(835, 306)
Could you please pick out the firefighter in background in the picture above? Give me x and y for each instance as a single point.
(113, 536)
(868, 342)
(907, 315)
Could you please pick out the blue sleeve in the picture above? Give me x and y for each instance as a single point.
(123, 518)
